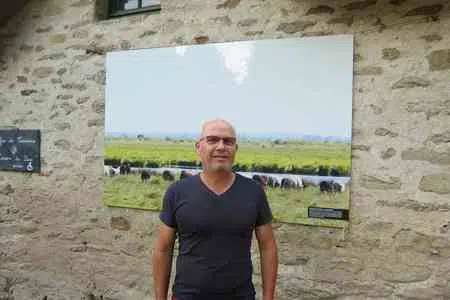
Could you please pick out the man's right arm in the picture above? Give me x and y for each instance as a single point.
(162, 261)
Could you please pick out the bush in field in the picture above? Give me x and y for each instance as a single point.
(323, 170)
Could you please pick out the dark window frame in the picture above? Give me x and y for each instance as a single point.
(118, 13)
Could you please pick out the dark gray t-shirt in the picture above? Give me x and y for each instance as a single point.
(215, 233)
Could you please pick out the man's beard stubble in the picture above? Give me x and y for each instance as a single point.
(221, 167)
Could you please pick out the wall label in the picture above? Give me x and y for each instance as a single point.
(328, 213)
(20, 150)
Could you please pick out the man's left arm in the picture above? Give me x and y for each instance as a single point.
(268, 259)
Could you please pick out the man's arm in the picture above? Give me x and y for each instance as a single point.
(162, 261)
(268, 260)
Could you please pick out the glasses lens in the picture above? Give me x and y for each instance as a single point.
(212, 139)
(229, 141)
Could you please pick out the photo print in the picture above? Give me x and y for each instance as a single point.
(290, 101)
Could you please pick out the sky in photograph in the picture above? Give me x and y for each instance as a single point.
(294, 86)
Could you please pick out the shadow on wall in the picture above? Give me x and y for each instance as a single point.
(9, 8)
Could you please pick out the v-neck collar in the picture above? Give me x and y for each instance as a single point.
(212, 192)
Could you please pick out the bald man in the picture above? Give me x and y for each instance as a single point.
(214, 215)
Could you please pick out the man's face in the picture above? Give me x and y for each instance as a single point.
(217, 147)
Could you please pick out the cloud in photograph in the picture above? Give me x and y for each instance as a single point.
(181, 50)
(286, 86)
(236, 58)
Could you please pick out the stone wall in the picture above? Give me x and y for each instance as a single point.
(58, 241)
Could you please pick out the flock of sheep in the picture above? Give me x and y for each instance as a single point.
(283, 181)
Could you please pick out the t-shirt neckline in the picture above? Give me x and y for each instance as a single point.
(212, 192)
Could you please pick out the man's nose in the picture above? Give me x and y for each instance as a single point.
(220, 144)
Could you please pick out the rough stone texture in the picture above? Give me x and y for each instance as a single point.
(42, 72)
(391, 53)
(120, 223)
(28, 92)
(426, 154)
(385, 132)
(229, 4)
(376, 109)
(388, 153)
(434, 37)
(58, 38)
(147, 33)
(437, 183)
(53, 56)
(361, 147)
(360, 5)
(321, 9)
(370, 70)
(372, 182)
(347, 20)
(415, 205)
(58, 241)
(440, 138)
(247, 22)
(439, 60)
(76, 86)
(425, 10)
(22, 79)
(61, 71)
(410, 82)
(6, 189)
(434, 109)
(201, 39)
(295, 26)
(397, 2)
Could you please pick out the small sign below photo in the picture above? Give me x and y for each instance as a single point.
(328, 213)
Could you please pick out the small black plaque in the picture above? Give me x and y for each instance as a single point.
(328, 213)
(20, 150)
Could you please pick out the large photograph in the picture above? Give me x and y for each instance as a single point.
(290, 101)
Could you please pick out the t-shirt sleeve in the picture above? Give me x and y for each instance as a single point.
(167, 214)
(264, 211)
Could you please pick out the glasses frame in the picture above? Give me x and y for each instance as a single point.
(214, 140)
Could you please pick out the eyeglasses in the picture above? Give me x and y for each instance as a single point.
(213, 140)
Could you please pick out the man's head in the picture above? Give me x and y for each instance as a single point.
(217, 145)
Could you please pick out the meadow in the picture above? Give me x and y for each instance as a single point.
(295, 157)
(289, 206)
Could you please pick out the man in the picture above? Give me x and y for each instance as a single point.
(214, 215)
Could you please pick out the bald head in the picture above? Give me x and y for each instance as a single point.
(211, 124)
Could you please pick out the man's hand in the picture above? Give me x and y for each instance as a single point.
(162, 261)
(269, 259)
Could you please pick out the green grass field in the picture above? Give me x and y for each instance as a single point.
(307, 155)
(289, 206)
